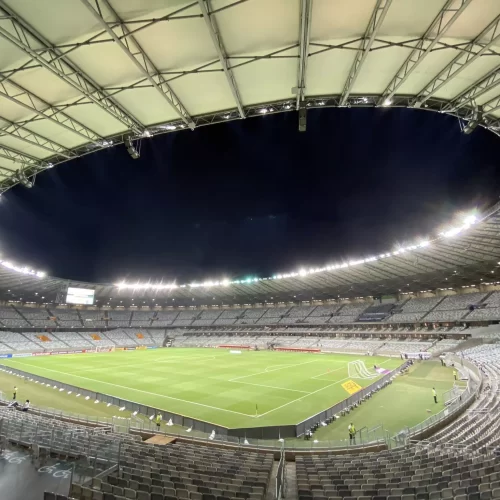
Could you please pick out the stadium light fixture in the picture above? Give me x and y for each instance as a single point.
(387, 102)
(474, 121)
(131, 149)
(21, 177)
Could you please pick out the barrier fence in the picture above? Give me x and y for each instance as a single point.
(193, 429)
(280, 476)
(208, 428)
(324, 415)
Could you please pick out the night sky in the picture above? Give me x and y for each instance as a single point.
(251, 198)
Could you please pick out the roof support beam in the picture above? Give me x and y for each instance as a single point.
(21, 158)
(26, 135)
(22, 97)
(305, 32)
(440, 25)
(23, 36)
(215, 35)
(476, 90)
(474, 50)
(376, 20)
(131, 48)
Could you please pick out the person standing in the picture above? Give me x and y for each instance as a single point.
(352, 433)
(434, 394)
(455, 374)
(15, 393)
(158, 420)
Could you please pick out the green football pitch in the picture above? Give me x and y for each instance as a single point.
(251, 389)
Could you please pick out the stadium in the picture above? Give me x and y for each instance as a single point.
(373, 377)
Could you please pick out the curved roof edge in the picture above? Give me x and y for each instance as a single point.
(461, 259)
(33, 167)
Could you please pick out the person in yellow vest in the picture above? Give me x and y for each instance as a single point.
(15, 393)
(434, 393)
(158, 420)
(352, 433)
(455, 374)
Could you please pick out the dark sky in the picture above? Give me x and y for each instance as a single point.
(251, 198)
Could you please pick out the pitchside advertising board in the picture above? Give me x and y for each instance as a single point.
(83, 296)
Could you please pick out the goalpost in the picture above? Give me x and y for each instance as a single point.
(103, 349)
(358, 369)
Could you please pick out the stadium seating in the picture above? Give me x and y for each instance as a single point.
(183, 471)
(73, 339)
(9, 317)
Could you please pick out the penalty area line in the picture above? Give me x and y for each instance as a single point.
(139, 390)
(269, 386)
(311, 393)
(270, 371)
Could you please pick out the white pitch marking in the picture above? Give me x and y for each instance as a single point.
(310, 394)
(331, 371)
(276, 369)
(269, 386)
(299, 399)
(139, 390)
(156, 361)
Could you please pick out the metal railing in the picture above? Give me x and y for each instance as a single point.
(366, 437)
(280, 476)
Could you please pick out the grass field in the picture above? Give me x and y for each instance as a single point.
(224, 388)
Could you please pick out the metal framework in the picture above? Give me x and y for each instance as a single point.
(472, 52)
(129, 45)
(215, 35)
(305, 33)
(424, 46)
(376, 20)
(56, 104)
(25, 38)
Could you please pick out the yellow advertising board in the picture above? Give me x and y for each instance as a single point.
(351, 387)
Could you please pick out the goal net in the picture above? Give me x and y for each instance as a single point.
(104, 349)
(358, 369)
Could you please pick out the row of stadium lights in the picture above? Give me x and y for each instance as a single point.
(467, 222)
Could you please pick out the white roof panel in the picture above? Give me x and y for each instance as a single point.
(87, 73)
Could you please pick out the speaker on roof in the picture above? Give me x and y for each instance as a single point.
(302, 119)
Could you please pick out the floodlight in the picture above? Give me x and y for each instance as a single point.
(20, 176)
(474, 121)
(470, 219)
(302, 119)
(131, 149)
(387, 102)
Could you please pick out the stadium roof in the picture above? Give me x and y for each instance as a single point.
(78, 76)
(464, 255)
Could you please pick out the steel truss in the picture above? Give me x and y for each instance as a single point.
(216, 37)
(260, 110)
(438, 28)
(114, 30)
(305, 30)
(474, 49)
(376, 20)
(25, 38)
(129, 45)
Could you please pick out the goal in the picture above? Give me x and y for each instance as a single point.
(103, 349)
(358, 369)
